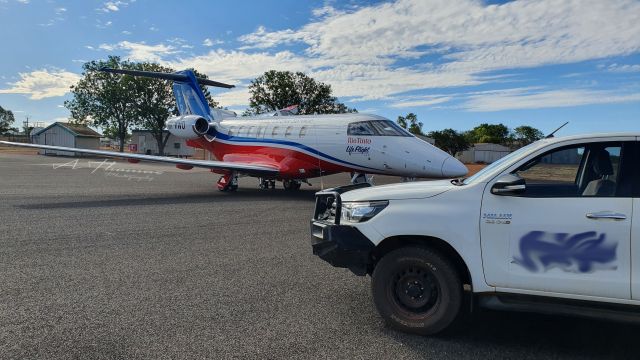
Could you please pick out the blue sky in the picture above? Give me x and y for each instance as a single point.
(455, 63)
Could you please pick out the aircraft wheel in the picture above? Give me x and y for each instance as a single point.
(291, 184)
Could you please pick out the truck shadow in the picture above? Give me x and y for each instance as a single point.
(494, 334)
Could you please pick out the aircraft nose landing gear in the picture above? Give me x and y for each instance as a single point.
(228, 182)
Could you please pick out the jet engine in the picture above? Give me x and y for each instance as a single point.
(188, 126)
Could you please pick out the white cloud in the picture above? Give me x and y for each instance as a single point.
(141, 51)
(424, 101)
(520, 98)
(113, 6)
(464, 38)
(42, 84)
(60, 10)
(110, 6)
(626, 68)
(363, 52)
(126, 32)
(209, 42)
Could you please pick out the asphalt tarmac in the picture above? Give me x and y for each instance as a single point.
(156, 263)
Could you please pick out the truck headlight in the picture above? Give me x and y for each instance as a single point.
(356, 212)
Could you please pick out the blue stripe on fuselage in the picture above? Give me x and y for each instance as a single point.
(240, 139)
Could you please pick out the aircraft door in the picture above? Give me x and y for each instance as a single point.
(569, 230)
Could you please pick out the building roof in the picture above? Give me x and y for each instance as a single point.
(74, 129)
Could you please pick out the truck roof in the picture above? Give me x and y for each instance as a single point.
(592, 136)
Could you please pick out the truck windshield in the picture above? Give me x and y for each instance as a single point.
(376, 128)
(483, 174)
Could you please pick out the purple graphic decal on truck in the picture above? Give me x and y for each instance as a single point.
(583, 252)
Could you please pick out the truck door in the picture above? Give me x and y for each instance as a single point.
(635, 229)
(569, 231)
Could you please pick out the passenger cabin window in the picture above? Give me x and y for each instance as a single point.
(376, 128)
(240, 130)
(274, 132)
(303, 131)
(250, 132)
(588, 170)
(287, 133)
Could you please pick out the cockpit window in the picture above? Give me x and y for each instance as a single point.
(376, 128)
(361, 128)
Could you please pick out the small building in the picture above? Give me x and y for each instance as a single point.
(427, 139)
(68, 135)
(145, 143)
(485, 153)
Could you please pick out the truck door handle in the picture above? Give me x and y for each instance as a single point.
(606, 215)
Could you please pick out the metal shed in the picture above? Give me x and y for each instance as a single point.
(69, 135)
(483, 153)
(144, 143)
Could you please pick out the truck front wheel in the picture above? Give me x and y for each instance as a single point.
(416, 290)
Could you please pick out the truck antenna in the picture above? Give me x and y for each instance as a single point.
(555, 131)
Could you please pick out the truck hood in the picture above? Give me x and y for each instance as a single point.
(400, 191)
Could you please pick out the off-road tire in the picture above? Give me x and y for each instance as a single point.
(396, 285)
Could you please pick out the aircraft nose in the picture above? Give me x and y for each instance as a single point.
(452, 168)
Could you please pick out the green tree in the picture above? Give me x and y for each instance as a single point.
(105, 99)
(525, 135)
(489, 133)
(411, 123)
(6, 119)
(450, 141)
(276, 90)
(155, 103)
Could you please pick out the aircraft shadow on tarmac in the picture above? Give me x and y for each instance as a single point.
(497, 334)
(178, 199)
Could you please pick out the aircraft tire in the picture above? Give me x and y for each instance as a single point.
(417, 290)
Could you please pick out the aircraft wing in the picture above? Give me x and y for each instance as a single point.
(239, 166)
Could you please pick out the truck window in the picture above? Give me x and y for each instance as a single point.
(589, 170)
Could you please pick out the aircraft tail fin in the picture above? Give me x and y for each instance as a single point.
(189, 97)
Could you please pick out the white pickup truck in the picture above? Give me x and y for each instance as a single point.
(547, 228)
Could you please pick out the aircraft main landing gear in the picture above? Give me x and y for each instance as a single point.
(266, 184)
(291, 184)
(228, 182)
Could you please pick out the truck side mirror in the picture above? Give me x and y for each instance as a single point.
(509, 184)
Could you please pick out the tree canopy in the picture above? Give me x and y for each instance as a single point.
(489, 133)
(450, 141)
(411, 123)
(525, 135)
(275, 90)
(118, 103)
(104, 99)
(6, 120)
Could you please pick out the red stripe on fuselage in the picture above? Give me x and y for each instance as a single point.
(288, 161)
